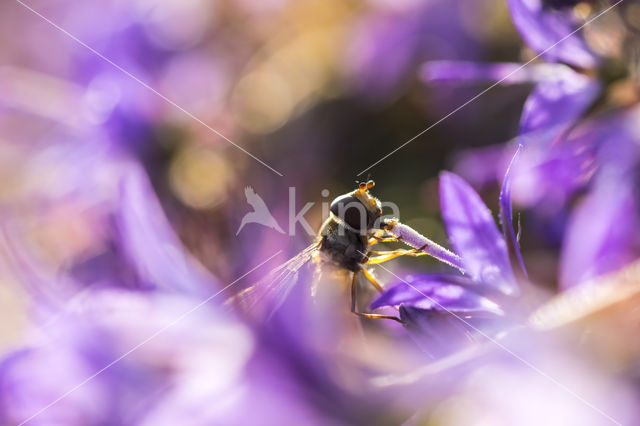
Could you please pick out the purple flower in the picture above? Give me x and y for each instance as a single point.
(439, 333)
(129, 327)
(140, 250)
(445, 312)
(438, 292)
(483, 253)
(601, 234)
(560, 95)
(151, 244)
(550, 32)
(201, 365)
(558, 101)
(474, 234)
(555, 156)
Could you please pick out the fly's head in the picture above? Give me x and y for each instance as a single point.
(358, 209)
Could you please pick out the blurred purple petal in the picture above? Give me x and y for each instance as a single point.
(550, 31)
(560, 96)
(550, 174)
(437, 333)
(555, 103)
(439, 292)
(559, 100)
(181, 364)
(600, 236)
(381, 53)
(474, 234)
(481, 167)
(551, 170)
(386, 47)
(151, 244)
(463, 71)
(476, 72)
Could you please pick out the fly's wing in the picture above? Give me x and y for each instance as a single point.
(262, 299)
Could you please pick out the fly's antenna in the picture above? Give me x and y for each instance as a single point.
(370, 183)
(365, 185)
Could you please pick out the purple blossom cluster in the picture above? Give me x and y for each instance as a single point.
(121, 297)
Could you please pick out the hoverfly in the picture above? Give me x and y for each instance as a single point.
(345, 239)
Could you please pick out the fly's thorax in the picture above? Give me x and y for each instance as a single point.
(341, 245)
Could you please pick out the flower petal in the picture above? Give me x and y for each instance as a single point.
(474, 234)
(555, 104)
(447, 293)
(464, 71)
(600, 236)
(507, 73)
(551, 33)
(558, 100)
(380, 54)
(151, 244)
(437, 333)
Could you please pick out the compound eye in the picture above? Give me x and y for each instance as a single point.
(351, 211)
(362, 186)
(370, 184)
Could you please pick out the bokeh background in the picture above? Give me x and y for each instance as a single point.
(91, 90)
(318, 90)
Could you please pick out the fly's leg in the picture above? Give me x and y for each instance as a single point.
(354, 298)
(372, 280)
(376, 239)
(384, 256)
